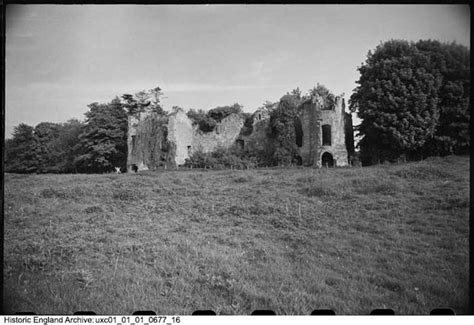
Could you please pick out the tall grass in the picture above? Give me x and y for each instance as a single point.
(290, 240)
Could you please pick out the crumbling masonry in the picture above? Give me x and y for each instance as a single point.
(323, 136)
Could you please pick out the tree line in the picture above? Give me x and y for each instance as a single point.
(413, 100)
(96, 145)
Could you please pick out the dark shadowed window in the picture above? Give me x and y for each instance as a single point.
(326, 135)
(298, 132)
(133, 143)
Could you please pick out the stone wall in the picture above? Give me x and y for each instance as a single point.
(258, 140)
(136, 148)
(224, 135)
(181, 133)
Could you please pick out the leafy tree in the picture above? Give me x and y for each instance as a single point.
(144, 101)
(282, 121)
(65, 143)
(152, 141)
(397, 101)
(21, 154)
(270, 106)
(329, 99)
(296, 93)
(47, 152)
(221, 112)
(208, 121)
(452, 62)
(103, 142)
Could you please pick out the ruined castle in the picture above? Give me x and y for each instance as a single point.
(323, 136)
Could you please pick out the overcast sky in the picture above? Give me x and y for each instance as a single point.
(61, 58)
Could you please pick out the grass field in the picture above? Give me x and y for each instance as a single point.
(290, 240)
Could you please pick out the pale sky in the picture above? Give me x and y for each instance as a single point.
(60, 58)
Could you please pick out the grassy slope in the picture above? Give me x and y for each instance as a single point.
(233, 241)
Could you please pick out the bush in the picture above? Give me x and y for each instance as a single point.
(208, 121)
(221, 159)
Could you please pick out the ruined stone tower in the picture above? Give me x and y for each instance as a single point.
(324, 133)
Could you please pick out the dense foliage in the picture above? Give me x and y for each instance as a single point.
(283, 126)
(223, 158)
(103, 142)
(328, 98)
(20, 151)
(143, 101)
(207, 121)
(97, 145)
(413, 99)
(46, 148)
(152, 142)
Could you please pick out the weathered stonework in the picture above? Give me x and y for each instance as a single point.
(313, 119)
(180, 132)
(322, 135)
(224, 136)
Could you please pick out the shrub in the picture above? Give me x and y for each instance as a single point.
(222, 158)
(207, 122)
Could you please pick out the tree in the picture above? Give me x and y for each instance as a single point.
(296, 93)
(65, 144)
(47, 152)
(144, 101)
(328, 97)
(21, 154)
(452, 62)
(221, 112)
(397, 101)
(282, 121)
(103, 142)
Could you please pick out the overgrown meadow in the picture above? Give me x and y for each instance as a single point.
(290, 240)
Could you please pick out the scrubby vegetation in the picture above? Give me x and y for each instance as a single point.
(152, 143)
(208, 121)
(223, 158)
(290, 240)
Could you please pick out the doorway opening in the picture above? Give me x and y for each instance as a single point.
(327, 160)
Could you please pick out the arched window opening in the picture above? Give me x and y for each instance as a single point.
(327, 160)
(326, 135)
